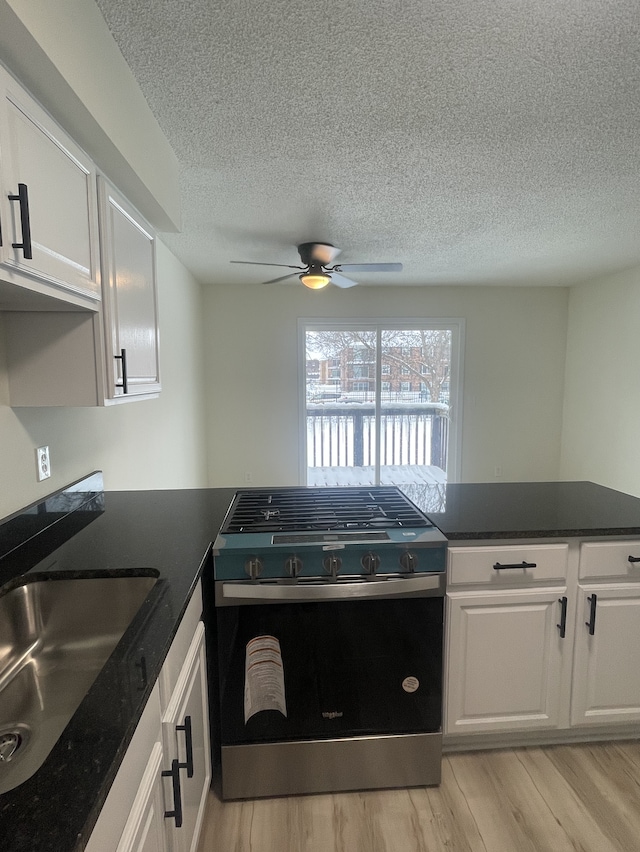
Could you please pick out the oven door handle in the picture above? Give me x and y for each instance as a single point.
(425, 584)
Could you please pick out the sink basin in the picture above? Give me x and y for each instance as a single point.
(55, 637)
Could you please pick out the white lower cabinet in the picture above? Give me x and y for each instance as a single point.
(185, 734)
(145, 829)
(606, 675)
(157, 801)
(538, 640)
(505, 659)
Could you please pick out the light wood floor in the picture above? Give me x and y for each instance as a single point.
(580, 798)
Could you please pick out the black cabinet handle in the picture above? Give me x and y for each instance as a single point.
(500, 567)
(25, 223)
(188, 765)
(591, 624)
(562, 627)
(124, 384)
(176, 813)
(633, 559)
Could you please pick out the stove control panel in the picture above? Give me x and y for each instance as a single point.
(303, 557)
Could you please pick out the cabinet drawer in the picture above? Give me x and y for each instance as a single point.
(471, 566)
(608, 560)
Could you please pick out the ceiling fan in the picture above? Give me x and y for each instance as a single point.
(317, 273)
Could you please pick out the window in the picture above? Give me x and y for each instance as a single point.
(383, 432)
(360, 371)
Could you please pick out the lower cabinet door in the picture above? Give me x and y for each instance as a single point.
(185, 732)
(145, 829)
(505, 653)
(606, 675)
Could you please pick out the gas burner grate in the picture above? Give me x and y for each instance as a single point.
(307, 509)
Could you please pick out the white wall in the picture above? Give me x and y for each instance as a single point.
(601, 424)
(151, 444)
(513, 373)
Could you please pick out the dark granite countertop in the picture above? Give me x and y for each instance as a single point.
(171, 532)
(168, 531)
(511, 510)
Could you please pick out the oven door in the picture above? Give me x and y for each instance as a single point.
(357, 659)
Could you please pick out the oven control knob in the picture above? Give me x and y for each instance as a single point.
(332, 564)
(408, 561)
(370, 562)
(253, 567)
(293, 566)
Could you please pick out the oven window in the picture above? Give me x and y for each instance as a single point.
(351, 668)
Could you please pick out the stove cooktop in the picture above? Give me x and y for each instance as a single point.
(297, 532)
(312, 509)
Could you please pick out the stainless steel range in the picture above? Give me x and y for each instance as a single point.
(330, 624)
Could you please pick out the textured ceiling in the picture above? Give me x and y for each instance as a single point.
(475, 142)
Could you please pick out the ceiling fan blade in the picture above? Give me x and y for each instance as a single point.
(283, 278)
(341, 281)
(257, 263)
(370, 267)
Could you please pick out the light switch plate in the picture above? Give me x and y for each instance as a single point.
(43, 464)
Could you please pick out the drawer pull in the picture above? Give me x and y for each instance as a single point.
(188, 764)
(591, 624)
(500, 567)
(634, 559)
(25, 224)
(176, 813)
(562, 627)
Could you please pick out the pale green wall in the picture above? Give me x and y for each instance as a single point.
(513, 373)
(601, 422)
(150, 444)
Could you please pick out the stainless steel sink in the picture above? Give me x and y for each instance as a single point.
(55, 637)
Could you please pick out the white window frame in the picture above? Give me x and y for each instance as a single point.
(377, 325)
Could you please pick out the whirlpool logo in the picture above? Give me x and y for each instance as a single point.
(332, 714)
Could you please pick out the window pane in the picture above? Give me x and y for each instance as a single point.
(341, 425)
(413, 430)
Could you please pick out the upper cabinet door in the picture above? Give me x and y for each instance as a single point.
(129, 297)
(48, 210)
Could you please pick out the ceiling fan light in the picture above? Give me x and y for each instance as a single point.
(315, 280)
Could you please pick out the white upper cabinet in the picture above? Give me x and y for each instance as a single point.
(48, 210)
(129, 297)
(82, 358)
